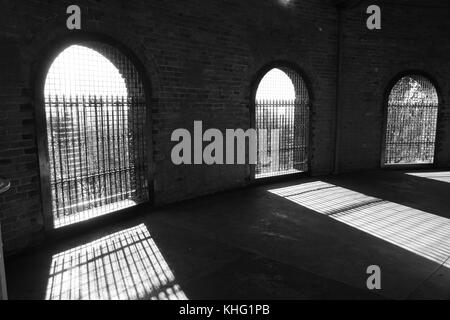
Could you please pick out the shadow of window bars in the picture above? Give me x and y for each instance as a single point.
(121, 266)
(420, 232)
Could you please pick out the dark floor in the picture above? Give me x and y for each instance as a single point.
(308, 239)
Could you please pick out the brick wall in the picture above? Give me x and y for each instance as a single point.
(200, 56)
(414, 35)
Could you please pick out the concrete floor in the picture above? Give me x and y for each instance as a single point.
(307, 239)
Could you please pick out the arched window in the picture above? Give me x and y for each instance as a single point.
(282, 122)
(411, 120)
(95, 114)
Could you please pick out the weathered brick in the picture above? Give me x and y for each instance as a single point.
(201, 58)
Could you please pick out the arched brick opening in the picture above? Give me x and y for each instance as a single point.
(125, 169)
(412, 105)
(283, 111)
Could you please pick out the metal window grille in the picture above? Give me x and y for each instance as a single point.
(411, 122)
(282, 123)
(96, 116)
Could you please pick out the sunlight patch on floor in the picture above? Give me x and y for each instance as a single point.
(275, 173)
(121, 266)
(420, 232)
(65, 220)
(442, 176)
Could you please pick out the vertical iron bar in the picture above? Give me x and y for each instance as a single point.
(125, 167)
(99, 200)
(86, 150)
(82, 173)
(114, 115)
(111, 193)
(118, 148)
(53, 157)
(73, 156)
(61, 177)
(103, 171)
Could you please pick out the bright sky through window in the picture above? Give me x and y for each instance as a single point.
(82, 71)
(276, 85)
